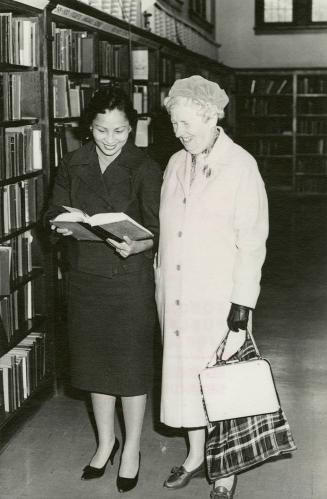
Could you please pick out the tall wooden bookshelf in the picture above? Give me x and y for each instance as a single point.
(26, 362)
(281, 118)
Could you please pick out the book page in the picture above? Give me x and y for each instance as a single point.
(113, 218)
(77, 216)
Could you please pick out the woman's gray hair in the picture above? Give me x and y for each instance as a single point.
(208, 95)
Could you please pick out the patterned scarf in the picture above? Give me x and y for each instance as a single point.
(199, 161)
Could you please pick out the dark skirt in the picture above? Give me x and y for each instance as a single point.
(111, 332)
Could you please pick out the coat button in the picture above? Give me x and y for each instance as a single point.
(177, 302)
(176, 332)
(184, 200)
(180, 233)
(178, 267)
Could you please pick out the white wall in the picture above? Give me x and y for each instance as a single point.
(241, 47)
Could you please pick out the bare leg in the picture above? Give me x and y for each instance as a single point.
(225, 482)
(196, 454)
(104, 413)
(133, 410)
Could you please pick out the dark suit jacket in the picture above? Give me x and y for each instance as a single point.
(133, 187)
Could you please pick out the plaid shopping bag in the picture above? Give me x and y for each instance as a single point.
(235, 445)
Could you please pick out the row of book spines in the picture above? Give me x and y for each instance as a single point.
(113, 60)
(69, 98)
(22, 151)
(15, 95)
(314, 166)
(66, 139)
(21, 370)
(72, 50)
(167, 70)
(19, 204)
(16, 260)
(258, 106)
(145, 98)
(19, 39)
(265, 86)
(19, 307)
(268, 146)
(311, 185)
(312, 145)
(312, 106)
(312, 85)
(312, 126)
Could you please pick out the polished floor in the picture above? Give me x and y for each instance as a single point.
(45, 456)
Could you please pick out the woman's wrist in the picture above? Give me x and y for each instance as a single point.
(141, 246)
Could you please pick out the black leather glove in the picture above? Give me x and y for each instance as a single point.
(238, 317)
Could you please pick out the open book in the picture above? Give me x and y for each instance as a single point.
(101, 226)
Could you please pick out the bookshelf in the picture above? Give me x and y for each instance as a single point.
(281, 118)
(26, 364)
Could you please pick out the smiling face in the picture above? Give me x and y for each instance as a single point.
(193, 130)
(110, 132)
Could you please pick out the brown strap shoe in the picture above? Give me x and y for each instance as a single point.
(180, 477)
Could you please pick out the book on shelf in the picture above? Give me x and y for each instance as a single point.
(20, 202)
(23, 151)
(7, 366)
(65, 140)
(72, 50)
(140, 64)
(140, 98)
(101, 226)
(142, 132)
(281, 87)
(61, 101)
(22, 369)
(5, 269)
(19, 39)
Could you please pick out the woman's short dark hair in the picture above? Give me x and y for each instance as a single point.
(109, 98)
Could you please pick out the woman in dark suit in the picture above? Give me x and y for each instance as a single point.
(111, 310)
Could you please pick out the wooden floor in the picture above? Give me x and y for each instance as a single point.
(45, 457)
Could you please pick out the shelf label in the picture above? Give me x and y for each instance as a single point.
(74, 15)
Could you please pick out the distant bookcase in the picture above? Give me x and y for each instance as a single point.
(281, 118)
(25, 357)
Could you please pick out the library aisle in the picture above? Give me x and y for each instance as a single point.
(45, 457)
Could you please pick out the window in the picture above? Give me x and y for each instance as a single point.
(278, 11)
(199, 7)
(319, 10)
(290, 15)
(202, 12)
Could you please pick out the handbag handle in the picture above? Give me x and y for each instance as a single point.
(221, 348)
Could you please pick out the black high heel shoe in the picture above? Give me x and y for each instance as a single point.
(90, 472)
(125, 484)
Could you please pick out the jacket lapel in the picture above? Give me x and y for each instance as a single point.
(87, 168)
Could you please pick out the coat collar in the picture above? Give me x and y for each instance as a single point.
(216, 160)
(86, 166)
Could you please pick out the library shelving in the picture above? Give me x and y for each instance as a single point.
(26, 365)
(281, 118)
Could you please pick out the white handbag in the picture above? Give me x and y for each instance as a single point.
(235, 389)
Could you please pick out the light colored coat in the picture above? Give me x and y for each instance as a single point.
(212, 247)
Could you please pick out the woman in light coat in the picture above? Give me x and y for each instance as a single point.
(213, 230)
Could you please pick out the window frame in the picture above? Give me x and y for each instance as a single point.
(201, 18)
(302, 11)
